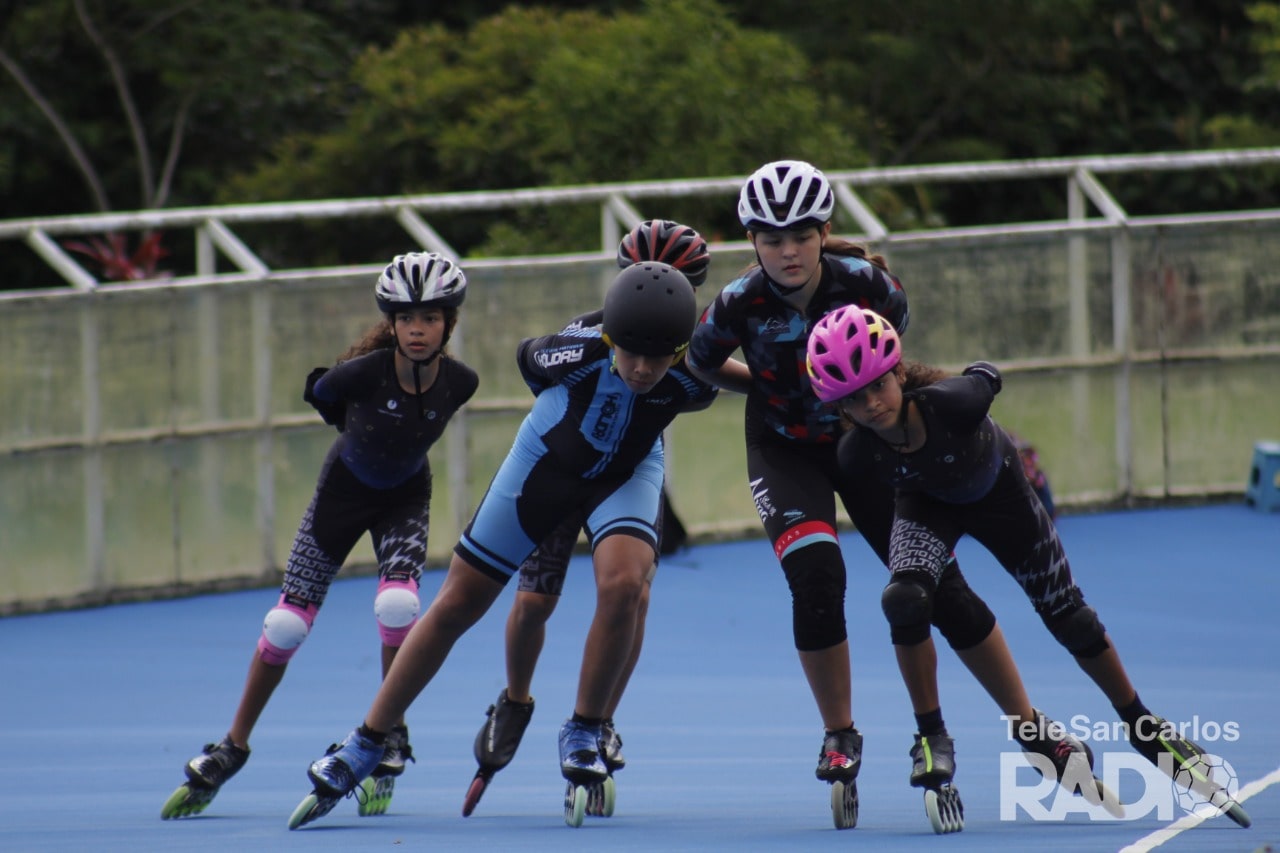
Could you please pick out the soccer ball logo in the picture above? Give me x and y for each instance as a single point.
(1194, 783)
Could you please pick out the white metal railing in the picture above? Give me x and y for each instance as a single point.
(216, 238)
(214, 225)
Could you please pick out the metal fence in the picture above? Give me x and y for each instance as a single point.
(153, 438)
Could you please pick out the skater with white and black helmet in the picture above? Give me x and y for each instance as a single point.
(957, 472)
(590, 446)
(389, 396)
(542, 574)
(802, 273)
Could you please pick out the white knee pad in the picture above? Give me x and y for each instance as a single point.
(396, 609)
(283, 631)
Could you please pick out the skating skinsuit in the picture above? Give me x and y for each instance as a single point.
(545, 569)
(791, 445)
(791, 434)
(590, 448)
(375, 477)
(967, 478)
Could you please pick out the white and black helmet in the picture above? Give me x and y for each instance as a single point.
(417, 279)
(785, 194)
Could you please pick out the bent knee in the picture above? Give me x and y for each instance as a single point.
(284, 629)
(396, 607)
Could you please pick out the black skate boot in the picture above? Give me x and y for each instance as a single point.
(496, 744)
(381, 783)
(1071, 760)
(1184, 761)
(611, 743)
(839, 763)
(602, 797)
(206, 773)
(933, 766)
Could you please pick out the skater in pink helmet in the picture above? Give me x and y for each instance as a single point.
(931, 437)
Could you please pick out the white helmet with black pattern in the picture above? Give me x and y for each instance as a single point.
(785, 195)
(419, 279)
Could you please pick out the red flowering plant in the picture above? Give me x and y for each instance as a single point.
(115, 263)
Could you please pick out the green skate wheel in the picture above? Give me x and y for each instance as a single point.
(575, 804)
(375, 795)
(610, 791)
(313, 807)
(303, 811)
(187, 801)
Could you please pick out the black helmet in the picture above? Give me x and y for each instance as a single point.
(650, 309)
(668, 242)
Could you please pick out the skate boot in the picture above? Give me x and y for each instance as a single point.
(582, 765)
(338, 774)
(611, 743)
(602, 797)
(933, 766)
(496, 744)
(206, 773)
(381, 784)
(1185, 762)
(1071, 761)
(839, 763)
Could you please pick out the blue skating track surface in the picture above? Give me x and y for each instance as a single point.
(99, 709)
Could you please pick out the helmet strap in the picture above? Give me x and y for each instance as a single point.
(902, 425)
(418, 364)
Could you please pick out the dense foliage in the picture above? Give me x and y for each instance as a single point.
(149, 103)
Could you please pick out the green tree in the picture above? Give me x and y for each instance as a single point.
(151, 101)
(533, 97)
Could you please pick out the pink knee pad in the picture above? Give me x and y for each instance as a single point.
(284, 629)
(396, 609)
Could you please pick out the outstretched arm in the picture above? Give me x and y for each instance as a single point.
(733, 375)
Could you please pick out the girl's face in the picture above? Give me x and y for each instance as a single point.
(790, 258)
(640, 372)
(876, 406)
(420, 331)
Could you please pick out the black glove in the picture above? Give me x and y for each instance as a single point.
(987, 371)
(334, 414)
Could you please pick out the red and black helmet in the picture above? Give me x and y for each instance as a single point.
(666, 242)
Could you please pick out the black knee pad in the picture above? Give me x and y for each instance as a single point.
(907, 602)
(1079, 631)
(958, 613)
(815, 574)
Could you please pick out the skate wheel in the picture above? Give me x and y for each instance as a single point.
(601, 797)
(374, 797)
(1223, 802)
(1237, 813)
(945, 811)
(844, 804)
(575, 804)
(312, 807)
(187, 801)
(474, 792)
(610, 792)
(1109, 800)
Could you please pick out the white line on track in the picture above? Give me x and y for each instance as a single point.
(1182, 824)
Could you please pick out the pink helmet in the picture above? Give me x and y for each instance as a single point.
(850, 348)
